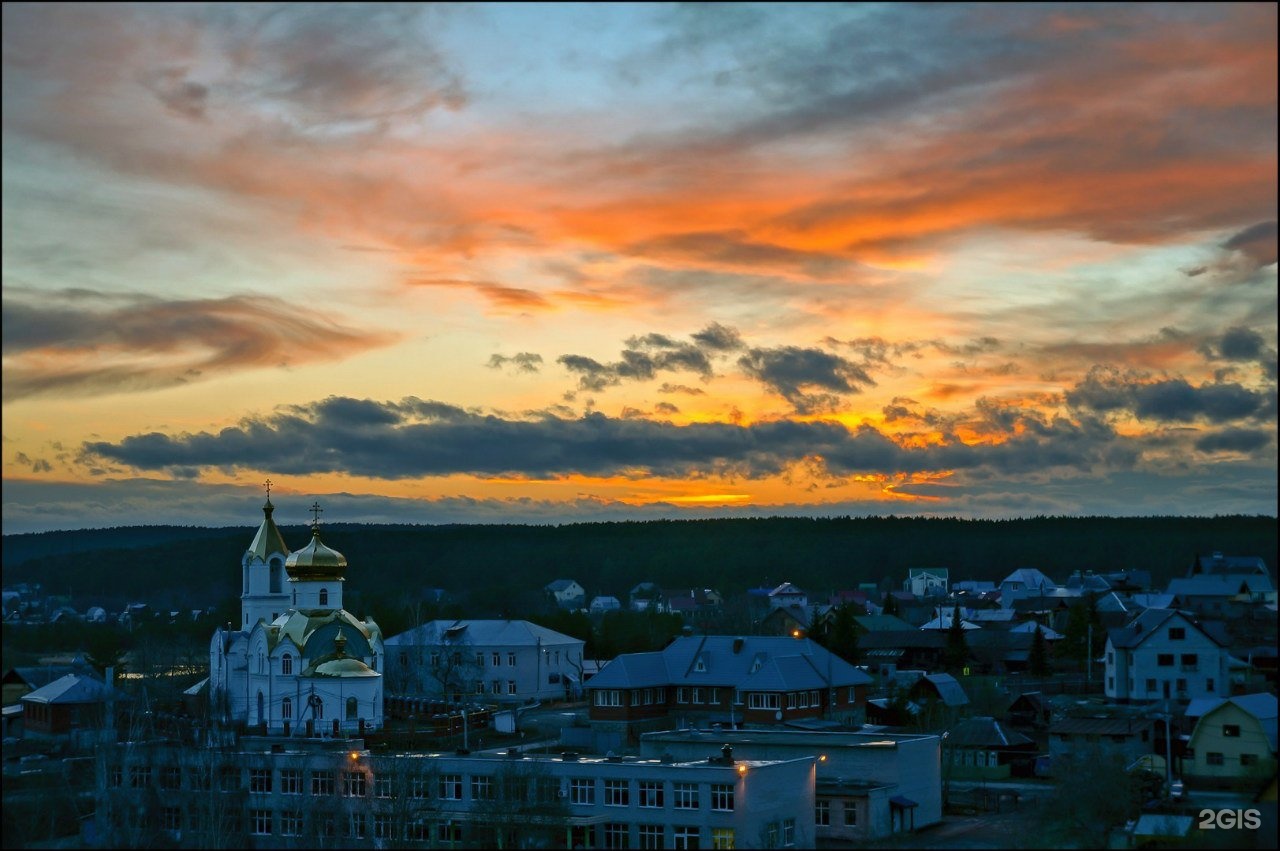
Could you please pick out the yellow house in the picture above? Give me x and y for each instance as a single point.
(1234, 743)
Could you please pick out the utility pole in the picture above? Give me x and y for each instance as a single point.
(1088, 655)
(1168, 748)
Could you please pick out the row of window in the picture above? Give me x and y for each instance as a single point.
(1215, 758)
(694, 695)
(822, 814)
(448, 787)
(1153, 686)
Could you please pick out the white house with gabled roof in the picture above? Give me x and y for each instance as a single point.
(1164, 654)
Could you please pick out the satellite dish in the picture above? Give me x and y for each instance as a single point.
(777, 716)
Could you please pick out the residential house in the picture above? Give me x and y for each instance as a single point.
(880, 623)
(566, 593)
(1024, 582)
(869, 785)
(787, 595)
(728, 680)
(944, 618)
(1217, 564)
(787, 620)
(1163, 654)
(942, 689)
(508, 661)
(1128, 735)
(26, 679)
(1234, 743)
(1029, 711)
(927, 581)
(603, 603)
(981, 747)
(912, 648)
(70, 705)
(1212, 595)
(646, 597)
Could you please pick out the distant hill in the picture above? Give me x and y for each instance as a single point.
(504, 567)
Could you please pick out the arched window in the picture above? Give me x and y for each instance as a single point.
(261, 709)
(286, 708)
(351, 709)
(286, 664)
(275, 576)
(324, 596)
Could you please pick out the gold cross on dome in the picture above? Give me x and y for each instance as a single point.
(268, 484)
(315, 510)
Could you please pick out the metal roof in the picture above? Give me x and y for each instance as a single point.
(73, 688)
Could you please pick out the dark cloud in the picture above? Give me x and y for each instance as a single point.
(1170, 400)
(649, 354)
(718, 338)
(792, 371)
(520, 362)
(1235, 440)
(666, 408)
(414, 438)
(1257, 242)
(161, 343)
(682, 388)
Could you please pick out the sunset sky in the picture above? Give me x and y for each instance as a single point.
(542, 263)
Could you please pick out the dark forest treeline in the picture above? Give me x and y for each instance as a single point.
(501, 569)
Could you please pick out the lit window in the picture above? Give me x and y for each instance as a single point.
(722, 837)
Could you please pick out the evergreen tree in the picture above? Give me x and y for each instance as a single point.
(956, 653)
(1038, 661)
(844, 635)
(817, 629)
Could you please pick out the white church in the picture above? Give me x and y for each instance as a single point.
(299, 664)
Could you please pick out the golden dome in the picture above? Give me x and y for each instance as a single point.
(315, 561)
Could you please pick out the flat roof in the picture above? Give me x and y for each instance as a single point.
(807, 738)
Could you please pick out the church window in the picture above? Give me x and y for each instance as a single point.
(351, 709)
(286, 664)
(286, 708)
(275, 577)
(324, 596)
